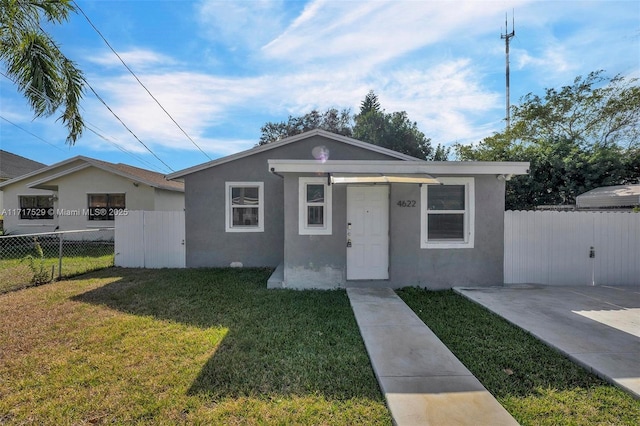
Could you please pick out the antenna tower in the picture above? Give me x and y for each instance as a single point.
(507, 36)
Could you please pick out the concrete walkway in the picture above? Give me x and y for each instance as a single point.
(422, 381)
(597, 327)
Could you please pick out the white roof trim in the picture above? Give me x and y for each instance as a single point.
(87, 162)
(286, 141)
(399, 167)
(42, 170)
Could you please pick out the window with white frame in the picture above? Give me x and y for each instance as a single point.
(448, 214)
(314, 206)
(244, 206)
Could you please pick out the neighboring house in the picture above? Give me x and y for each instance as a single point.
(618, 197)
(330, 211)
(12, 166)
(84, 193)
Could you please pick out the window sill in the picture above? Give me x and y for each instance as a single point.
(446, 245)
(245, 230)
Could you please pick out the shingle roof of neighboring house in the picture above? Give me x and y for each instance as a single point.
(137, 174)
(12, 165)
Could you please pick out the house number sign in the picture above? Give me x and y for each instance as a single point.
(406, 203)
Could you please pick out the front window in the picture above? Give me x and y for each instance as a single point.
(36, 207)
(244, 207)
(105, 206)
(447, 214)
(314, 206)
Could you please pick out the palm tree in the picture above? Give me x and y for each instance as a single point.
(33, 61)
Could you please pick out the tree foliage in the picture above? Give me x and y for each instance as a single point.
(389, 130)
(578, 138)
(331, 120)
(43, 74)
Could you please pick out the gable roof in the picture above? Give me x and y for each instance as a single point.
(286, 141)
(13, 165)
(147, 177)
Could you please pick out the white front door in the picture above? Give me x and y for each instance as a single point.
(368, 232)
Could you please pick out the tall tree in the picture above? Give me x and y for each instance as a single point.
(394, 131)
(32, 59)
(389, 130)
(577, 138)
(331, 120)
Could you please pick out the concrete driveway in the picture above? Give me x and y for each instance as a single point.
(598, 327)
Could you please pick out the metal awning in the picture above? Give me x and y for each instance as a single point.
(421, 178)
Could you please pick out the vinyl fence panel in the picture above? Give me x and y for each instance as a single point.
(129, 240)
(150, 239)
(554, 248)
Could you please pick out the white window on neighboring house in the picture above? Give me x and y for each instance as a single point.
(447, 214)
(244, 206)
(314, 206)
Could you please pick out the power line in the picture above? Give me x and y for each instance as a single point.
(93, 130)
(32, 134)
(125, 126)
(138, 80)
(108, 107)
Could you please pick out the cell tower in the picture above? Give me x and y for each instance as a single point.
(507, 36)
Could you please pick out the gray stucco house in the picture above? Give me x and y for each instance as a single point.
(330, 211)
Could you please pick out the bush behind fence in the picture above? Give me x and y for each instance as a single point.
(34, 259)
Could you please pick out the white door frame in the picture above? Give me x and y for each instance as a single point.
(367, 232)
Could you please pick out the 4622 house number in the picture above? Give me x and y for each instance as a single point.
(406, 203)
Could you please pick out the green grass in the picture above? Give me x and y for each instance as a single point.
(536, 384)
(131, 346)
(76, 259)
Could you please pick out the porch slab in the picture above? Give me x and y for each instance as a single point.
(422, 381)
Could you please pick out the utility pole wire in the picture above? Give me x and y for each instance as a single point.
(126, 127)
(138, 80)
(32, 134)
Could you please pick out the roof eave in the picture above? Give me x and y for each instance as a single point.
(286, 141)
(377, 166)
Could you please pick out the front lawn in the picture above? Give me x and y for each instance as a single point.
(78, 258)
(536, 384)
(182, 347)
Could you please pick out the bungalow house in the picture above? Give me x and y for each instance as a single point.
(83, 193)
(12, 166)
(329, 211)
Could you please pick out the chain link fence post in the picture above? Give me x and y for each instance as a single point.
(25, 258)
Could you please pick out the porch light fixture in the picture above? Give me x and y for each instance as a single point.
(413, 178)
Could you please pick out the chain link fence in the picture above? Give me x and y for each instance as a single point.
(34, 259)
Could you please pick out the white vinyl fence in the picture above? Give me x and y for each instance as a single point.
(572, 248)
(150, 239)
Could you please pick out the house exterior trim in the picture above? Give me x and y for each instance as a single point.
(286, 141)
(406, 167)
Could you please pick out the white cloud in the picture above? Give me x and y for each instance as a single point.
(136, 58)
(370, 33)
(240, 24)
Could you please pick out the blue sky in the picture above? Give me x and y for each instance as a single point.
(224, 68)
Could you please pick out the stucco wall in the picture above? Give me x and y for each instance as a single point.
(207, 242)
(481, 265)
(319, 261)
(168, 200)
